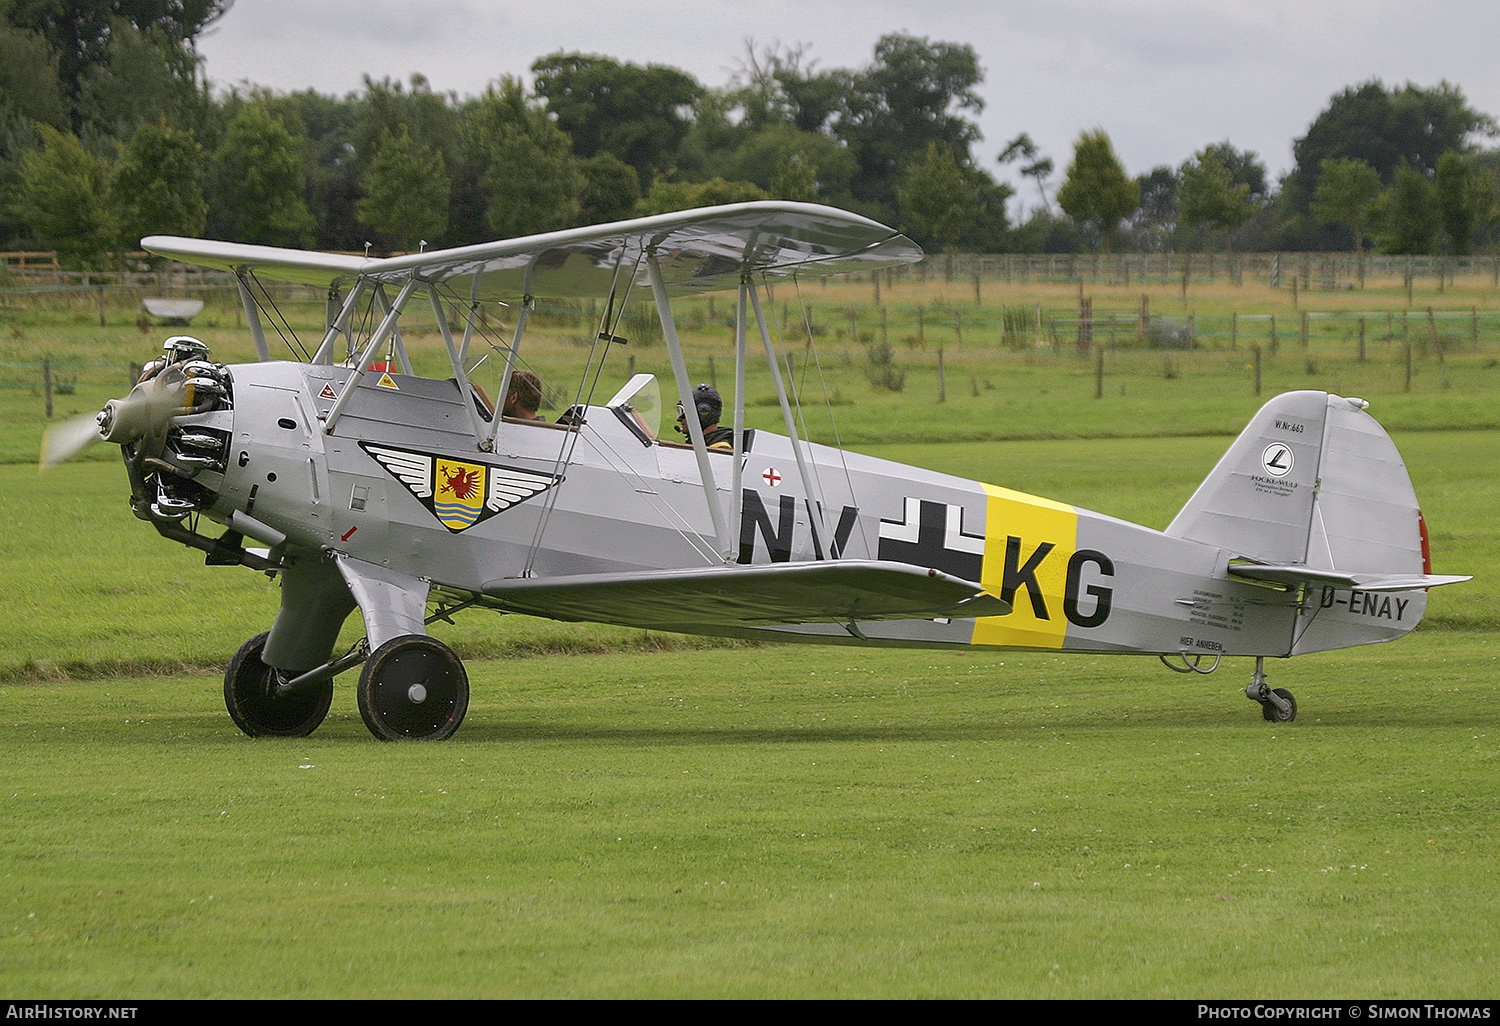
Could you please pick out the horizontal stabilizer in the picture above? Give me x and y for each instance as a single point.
(843, 591)
(1293, 576)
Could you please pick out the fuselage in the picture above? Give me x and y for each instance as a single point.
(400, 482)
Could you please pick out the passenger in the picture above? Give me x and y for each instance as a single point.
(525, 396)
(710, 407)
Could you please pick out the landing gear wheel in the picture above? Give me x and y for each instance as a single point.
(413, 687)
(1270, 712)
(256, 708)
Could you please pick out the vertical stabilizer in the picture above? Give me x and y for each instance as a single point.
(1315, 495)
(1258, 500)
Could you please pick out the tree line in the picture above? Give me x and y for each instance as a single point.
(109, 131)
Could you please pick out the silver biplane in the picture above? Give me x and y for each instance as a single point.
(361, 485)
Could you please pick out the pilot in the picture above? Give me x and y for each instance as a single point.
(710, 407)
(525, 396)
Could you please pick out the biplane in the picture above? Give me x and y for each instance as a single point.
(360, 485)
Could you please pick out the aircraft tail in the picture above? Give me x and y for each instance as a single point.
(1314, 494)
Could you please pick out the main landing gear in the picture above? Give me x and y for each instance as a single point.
(412, 687)
(1276, 706)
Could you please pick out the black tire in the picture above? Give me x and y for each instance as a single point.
(1269, 711)
(413, 688)
(249, 693)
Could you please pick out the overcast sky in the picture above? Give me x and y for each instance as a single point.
(1163, 78)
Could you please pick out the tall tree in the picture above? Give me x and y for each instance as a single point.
(1387, 129)
(778, 86)
(28, 74)
(913, 94)
(1033, 165)
(64, 200)
(257, 189)
(1210, 195)
(939, 195)
(1155, 223)
(406, 192)
(519, 170)
(1455, 186)
(157, 187)
(1407, 215)
(1348, 189)
(641, 115)
(80, 32)
(1097, 191)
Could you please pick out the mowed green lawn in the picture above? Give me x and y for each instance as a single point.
(836, 824)
(665, 819)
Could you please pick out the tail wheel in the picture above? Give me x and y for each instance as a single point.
(413, 688)
(256, 708)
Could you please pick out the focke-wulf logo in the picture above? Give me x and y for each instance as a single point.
(460, 493)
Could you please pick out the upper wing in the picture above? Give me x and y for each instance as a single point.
(841, 591)
(698, 250)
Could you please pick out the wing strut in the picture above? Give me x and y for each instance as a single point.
(815, 498)
(455, 358)
(340, 324)
(685, 395)
(387, 325)
(252, 315)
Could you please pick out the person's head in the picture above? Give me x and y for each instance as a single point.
(708, 406)
(525, 395)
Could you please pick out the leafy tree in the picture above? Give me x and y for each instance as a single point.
(64, 200)
(792, 164)
(1407, 214)
(328, 128)
(1385, 128)
(914, 93)
(1155, 222)
(519, 166)
(610, 189)
(778, 86)
(1210, 195)
(145, 76)
(1455, 187)
(386, 108)
(1097, 191)
(157, 185)
(28, 74)
(29, 96)
(406, 192)
(1348, 190)
(943, 198)
(80, 33)
(638, 114)
(258, 184)
(1036, 167)
(665, 197)
(1484, 195)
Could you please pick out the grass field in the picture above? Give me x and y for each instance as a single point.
(634, 816)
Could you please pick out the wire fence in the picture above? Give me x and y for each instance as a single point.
(946, 324)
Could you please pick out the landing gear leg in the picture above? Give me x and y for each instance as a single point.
(1278, 705)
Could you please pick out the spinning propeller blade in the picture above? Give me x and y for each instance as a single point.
(65, 440)
(145, 411)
